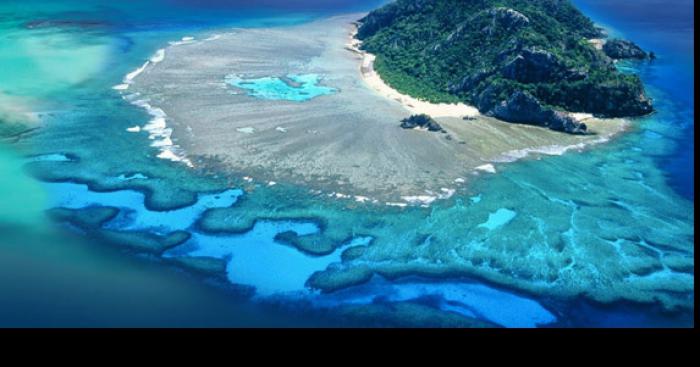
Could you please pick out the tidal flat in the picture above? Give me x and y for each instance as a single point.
(346, 140)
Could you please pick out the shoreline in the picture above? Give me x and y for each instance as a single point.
(157, 127)
(415, 106)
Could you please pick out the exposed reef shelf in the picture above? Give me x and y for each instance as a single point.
(262, 121)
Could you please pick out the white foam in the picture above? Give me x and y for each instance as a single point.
(361, 199)
(460, 180)
(169, 155)
(157, 126)
(281, 129)
(183, 41)
(271, 183)
(552, 150)
(159, 132)
(135, 176)
(129, 78)
(246, 130)
(402, 205)
(487, 168)
(159, 56)
(446, 193)
(419, 199)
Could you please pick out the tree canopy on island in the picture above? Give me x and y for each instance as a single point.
(483, 51)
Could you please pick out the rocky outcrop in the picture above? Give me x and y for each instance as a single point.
(498, 55)
(505, 19)
(623, 49)
(494, 21)
(421, 121)
(523, 108)
(468, 82)
(520, 107)
(533, 66)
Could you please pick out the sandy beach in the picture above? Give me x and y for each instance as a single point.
(347, 144)
(412, 105)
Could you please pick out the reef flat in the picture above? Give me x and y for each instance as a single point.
(347, 142)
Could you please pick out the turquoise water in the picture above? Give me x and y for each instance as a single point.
(468, 298)
(602, 237)
(257, 259)
(295, 87)
(134, 215)
(497, 219)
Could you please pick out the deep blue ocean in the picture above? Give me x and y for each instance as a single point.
(67, 275)
(665, 27)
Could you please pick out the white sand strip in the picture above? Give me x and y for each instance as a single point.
(413, 105)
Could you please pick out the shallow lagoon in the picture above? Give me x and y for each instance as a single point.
(293, 87)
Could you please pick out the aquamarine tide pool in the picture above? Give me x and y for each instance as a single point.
(292, 87)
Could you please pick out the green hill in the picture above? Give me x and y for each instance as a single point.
(502, 56)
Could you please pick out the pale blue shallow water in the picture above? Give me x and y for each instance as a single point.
(274, 269)
(498, 218)
(135, 216)
(274, 88)
(667, 28)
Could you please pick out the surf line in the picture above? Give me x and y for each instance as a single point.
(156, 127)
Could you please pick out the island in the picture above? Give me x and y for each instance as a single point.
(524, 61)
(304, 105)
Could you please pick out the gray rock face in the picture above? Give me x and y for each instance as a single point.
(422, 121)
(470, 81)
(507, 19)
(523, 108)
(561, 121)
(520, 107)
(623, 49)
(533, 66)
(497, 20)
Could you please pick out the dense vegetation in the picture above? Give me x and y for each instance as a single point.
(483, 51)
